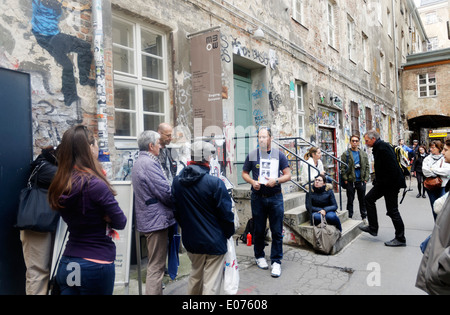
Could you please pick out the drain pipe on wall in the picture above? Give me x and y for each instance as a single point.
(399, 122)
(100, 87)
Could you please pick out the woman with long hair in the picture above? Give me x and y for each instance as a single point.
(313, 157)
(85, 200)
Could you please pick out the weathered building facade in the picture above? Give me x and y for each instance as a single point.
(322, 70)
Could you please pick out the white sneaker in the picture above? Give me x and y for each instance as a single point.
(276, 270)
(262, 263)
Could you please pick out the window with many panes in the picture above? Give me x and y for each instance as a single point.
(299, 96)
(140, 78)
(427, 85)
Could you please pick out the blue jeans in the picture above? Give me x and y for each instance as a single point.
(78, 276)
(331, 218)
(433, 195)
(272, 208)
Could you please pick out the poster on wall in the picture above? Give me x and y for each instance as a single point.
(206, 72)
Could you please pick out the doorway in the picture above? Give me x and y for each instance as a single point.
(15, 158)
(242, 120)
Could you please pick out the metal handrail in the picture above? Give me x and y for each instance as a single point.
(298, 158)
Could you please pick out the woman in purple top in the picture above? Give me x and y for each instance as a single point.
(85, 200)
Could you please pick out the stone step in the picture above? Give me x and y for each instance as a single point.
(293, 200)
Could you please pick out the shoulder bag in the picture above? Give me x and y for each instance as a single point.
(34, 210)
(433, 183)
(325, 236)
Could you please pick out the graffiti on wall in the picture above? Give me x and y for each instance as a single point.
(45, 20)
(57, 54)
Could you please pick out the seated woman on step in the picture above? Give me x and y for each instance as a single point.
(321, 201)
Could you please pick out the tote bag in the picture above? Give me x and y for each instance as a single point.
(34, 210)
(231, 272)
(325, 236)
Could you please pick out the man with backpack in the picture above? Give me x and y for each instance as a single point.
(389, 179)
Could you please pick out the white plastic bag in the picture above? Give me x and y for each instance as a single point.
(231, 270)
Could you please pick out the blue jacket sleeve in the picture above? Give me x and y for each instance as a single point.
(225, 213)
(332, 202)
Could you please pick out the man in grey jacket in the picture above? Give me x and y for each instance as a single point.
(434, 271)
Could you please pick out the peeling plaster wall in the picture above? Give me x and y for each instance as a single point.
(52, 111)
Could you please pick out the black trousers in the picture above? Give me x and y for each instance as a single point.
(360, 189)
(59, 46)
(391, 199)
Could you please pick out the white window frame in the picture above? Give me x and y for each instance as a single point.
(382, 69)
(433, 43)
(138, 81)
(427, 84)
(300, 107)
(296, 15)
(366, 52)
(331, 24)
(350, 37)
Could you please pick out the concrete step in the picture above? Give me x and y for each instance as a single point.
(293, 200)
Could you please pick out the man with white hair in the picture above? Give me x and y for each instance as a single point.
(388, 181)
(153, 207)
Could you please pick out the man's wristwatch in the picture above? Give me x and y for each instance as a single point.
(278, 183)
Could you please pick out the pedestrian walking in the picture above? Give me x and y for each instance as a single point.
(434, 270)
(321, 202)
(203, 210)
(85, 200)
(37, 247)
(416, 170)
(153, 207)
(388, 181)
(434, 166)
(355, 176)
(266, 198)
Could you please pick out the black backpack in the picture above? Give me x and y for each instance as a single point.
(250, 228)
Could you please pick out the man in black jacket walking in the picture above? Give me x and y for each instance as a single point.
(388, 181)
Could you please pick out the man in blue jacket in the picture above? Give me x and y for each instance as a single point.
(203, 210)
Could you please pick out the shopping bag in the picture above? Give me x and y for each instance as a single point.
(325, 236)
(231, 270)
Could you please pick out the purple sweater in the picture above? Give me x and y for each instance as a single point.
(84, 210)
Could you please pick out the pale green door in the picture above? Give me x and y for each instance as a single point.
(242, 119)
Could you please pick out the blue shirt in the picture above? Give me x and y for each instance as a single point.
(251, 164)
(357, 161)
(45, 19)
